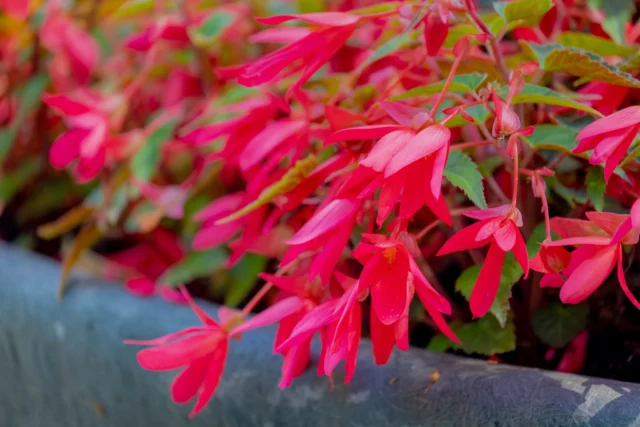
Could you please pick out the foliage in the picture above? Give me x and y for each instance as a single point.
(291, 155)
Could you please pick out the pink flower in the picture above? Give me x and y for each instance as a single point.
(436, 27)
(166, 29)
(201, 351)
(328, 232)
(598, 253)
(609, 138)
(497, 227)
(84, 145)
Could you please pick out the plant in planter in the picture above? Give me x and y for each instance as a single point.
(356, 157)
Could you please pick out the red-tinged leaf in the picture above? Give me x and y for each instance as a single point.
(87, 237)
(326, 19)
(406, 115)
(421, 145)
(279, 35)
(64, 105)
(67, 222)
(570, 227)
(325, 220)
(609, 222)
(486, 287)
(589, 267)
(339, 118)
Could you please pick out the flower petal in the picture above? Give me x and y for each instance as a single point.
(385, 148)
(486, 287)
(187, 383)
(464, 239)
(623, 281)
(363, 133)
(424, 143)
(212, 379)
(389, 292)
(179, 353)
(382, 339)
(619, 120)
(275, 313)
(589, 267)
(325, 220)
(520, 252)
(325, 19)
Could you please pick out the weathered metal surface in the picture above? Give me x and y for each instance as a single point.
(64, 365)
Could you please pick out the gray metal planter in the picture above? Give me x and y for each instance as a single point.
(64, 365)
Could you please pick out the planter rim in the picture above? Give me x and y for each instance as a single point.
(64, 365)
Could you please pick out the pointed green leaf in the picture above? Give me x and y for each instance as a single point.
(462, 83)
(557, 324)
(145, 162)
(243, 278)
(552, 137)
(13, 181)
(527, 10)
(592, 43)
(596, 187)
(194, 265)
(533, 94)
(206, 33)
(133, 9)
(462, 172)
(578, 62)
(484, 336)
(617, 14)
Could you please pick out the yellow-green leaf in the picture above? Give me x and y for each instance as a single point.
(194, 265)
(462, 83)
(533, 94)
(552, 137)
(145, 162)
(87, 237)
(207, 32)
(484, 336)
(67, 222)
(526, 10)
(592, 43)
(596, 187)
(133, 9)
(288, 182)
(578, 62)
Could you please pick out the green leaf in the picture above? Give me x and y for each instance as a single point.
(243, 277)
(479, 113)
(13, 181)
(456, 32)
(463, 83)
(511, 273)
(557, 324)
(570, 195)
(462, 172)
(377, 8)
(527, 10)
(630, 63)
(311, 6)
(484, 336)
(28, 99)
(133, 9)
(598, 45)
(206, 33)
(196, 264)
(618, 13)
(552, 137)
(145, 162)
(392, 45)
(578, 62)
(596, 187)
(533, 94)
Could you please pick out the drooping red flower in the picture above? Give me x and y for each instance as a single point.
(497, 227)
(201, 351)
(436, 27)
(596, 256)
(609, 138)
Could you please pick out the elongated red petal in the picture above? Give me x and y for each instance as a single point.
(424, 143)
(625, 227)
(295, 362)
(273, 314)
(202, 315)
(552, 280)
(279, 35)
(66, 148)
(464, 239)
(320, 316)
(389, 292)
(327, 19)
(486, 287)
(179, 353)
(389, 196)
(571, 227)
(623, 281)
(609, 222)
(325, 262)
(590, 266)
(325, 220)
(385, 148)
(619, 120)
(575, 241)
(363, 133)
(170, 337)
(619, 153)
(505, 236)
(440, 322)
(269, 139)
(382, 339)
(212, 379)
(186, 384)
(64, 105)
(520, 252)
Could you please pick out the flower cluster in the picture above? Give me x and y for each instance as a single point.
(351, 159)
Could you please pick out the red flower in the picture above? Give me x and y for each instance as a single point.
(436, 27)
(609, 138)
(202, 350)
(497, 227)
(85, 143)
(597, 254)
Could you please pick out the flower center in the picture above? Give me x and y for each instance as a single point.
(390, 254)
